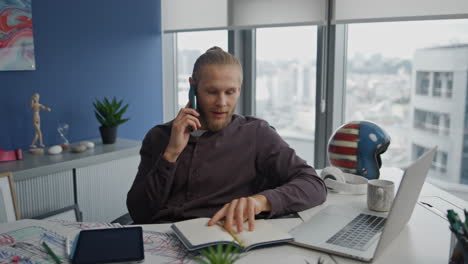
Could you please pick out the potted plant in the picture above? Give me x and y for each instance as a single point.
(109, 114)
(221, 255)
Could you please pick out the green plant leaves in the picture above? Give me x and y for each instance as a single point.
(109, 113)
(226, 255)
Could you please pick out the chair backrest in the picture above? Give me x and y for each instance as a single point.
(125, 219)
(70, 213)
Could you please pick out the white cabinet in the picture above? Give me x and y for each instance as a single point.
(97, 180)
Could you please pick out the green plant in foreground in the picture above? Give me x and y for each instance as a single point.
(109, 113)
(228, 255)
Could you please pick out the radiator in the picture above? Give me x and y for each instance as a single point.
(43, 194)
(102, 189)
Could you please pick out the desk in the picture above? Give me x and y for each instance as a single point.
(425, 239)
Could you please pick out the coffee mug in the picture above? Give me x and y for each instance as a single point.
(380, 195)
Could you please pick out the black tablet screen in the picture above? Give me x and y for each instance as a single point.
(109, 245)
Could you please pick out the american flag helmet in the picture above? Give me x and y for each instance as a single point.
(355, 148)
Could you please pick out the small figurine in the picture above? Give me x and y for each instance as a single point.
(36, 106)
(63, 131)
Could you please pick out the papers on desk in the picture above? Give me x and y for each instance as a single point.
(160, 243)
(22, 239)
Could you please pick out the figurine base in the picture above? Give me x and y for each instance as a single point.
(36, 151)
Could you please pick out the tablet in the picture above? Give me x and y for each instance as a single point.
(111, 245)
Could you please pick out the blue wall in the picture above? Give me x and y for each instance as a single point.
(86, 49)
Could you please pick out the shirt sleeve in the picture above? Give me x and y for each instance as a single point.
(152, 184)
(293, 184)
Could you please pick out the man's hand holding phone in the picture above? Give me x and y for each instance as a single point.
(180, 134)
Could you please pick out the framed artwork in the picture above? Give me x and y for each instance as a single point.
(9, 210)
(16, 36)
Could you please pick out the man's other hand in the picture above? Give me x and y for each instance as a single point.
(240, 210)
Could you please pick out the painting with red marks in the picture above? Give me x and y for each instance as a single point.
(16, 36)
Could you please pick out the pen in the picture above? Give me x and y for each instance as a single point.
(51, 253)
(233, 235)
(67, 246)
(466, 218)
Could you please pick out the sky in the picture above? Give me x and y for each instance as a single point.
(391, 39)
(401, 39)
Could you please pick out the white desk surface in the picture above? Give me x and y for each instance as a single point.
(425, 239)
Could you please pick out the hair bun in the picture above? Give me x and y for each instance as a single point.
(215, 48)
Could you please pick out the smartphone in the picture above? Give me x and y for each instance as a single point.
(193, 96)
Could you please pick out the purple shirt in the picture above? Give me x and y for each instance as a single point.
(245, 158)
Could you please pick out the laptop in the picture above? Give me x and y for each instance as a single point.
(362, 234)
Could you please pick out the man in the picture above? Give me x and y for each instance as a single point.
(211, 163)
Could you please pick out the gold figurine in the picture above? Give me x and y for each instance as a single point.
(36, 106)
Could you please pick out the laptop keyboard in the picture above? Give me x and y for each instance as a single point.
(358, 232)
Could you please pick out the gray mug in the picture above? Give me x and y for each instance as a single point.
(380, 194)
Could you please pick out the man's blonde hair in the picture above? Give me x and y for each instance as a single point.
(214, 55)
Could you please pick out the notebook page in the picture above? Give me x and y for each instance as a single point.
(263, 232)
(198, 232)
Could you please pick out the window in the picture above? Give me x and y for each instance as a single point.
(190, 45)
(404, 76)
(285, 84)
(446, 124)
(439, 163)
(449, 85)
(408, 77)
(418, 151)
(436, 123)
(419, 119)
(442, 84)
(422, 86)
(443, 162)
(437, 91)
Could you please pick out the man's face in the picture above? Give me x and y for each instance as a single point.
(217, 92)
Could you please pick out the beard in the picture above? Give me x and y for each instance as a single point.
(215, 124)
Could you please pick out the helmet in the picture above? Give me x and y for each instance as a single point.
(355, 148)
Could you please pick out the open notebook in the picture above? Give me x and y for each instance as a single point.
(195, 234)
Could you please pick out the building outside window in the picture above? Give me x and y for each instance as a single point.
(448, 93)
(433, 122)
(435, 118)
(419, 119)
(437, 91)
(439, 163)
(443, 162)
(190, 45)
(285, 84)
(411, 79)
(422, 86)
